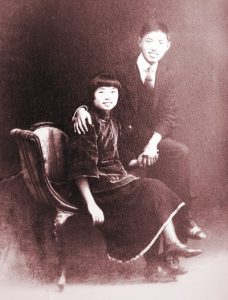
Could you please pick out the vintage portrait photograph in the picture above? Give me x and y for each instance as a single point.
(114, 149)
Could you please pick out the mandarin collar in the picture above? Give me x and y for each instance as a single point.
(102, 114)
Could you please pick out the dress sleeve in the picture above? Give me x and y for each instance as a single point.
(83, 155)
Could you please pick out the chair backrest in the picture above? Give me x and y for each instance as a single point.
(53, 143)
(43, 159)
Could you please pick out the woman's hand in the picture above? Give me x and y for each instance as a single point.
(94, 210)
(80, 120)
(133, 163)
(96, 213)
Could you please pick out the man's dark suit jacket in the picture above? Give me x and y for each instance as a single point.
(143, 111)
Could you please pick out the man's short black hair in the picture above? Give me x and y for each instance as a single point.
(154, 25)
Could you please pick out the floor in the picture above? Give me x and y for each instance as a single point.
(206, 278)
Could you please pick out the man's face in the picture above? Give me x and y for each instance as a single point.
(105, 98)
(153, 46)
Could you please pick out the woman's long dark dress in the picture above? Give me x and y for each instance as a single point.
(136, 210)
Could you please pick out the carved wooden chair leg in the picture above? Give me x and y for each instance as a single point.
(39, 251)
(38, 227)
(42, 152)
(59, 221)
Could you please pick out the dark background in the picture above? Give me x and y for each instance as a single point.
(49, 48)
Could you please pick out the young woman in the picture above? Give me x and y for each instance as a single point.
(132, 213)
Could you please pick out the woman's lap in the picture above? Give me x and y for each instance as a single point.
(133, 215)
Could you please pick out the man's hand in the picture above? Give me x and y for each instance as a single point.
(96, 213)
(149, 156)
(80, 120)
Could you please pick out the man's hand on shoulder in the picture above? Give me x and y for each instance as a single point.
(80, 119)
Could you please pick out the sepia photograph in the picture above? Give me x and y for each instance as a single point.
(114, 149)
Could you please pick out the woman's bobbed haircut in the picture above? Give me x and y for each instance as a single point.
(103, 79)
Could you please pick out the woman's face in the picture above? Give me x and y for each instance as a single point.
(106, 97)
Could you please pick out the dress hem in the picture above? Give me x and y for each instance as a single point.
(152, 241)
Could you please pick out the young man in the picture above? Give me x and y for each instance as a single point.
(148, 116)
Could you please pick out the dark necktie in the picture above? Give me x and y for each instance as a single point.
(149, 79)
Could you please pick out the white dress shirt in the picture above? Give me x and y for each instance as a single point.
(143, 67)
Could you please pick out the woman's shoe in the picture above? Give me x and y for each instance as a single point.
(157, 273)
(180, 249)
(172, 263)
(192, 231)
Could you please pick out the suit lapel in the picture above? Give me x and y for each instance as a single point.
(139, 90)
(160, 77)
(134, 85)
(157, 88)
(136, 88)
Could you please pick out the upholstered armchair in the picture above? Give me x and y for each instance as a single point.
(42, 152)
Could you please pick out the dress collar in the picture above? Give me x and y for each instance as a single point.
(102, 114)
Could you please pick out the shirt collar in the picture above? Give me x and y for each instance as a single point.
(143, 66)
